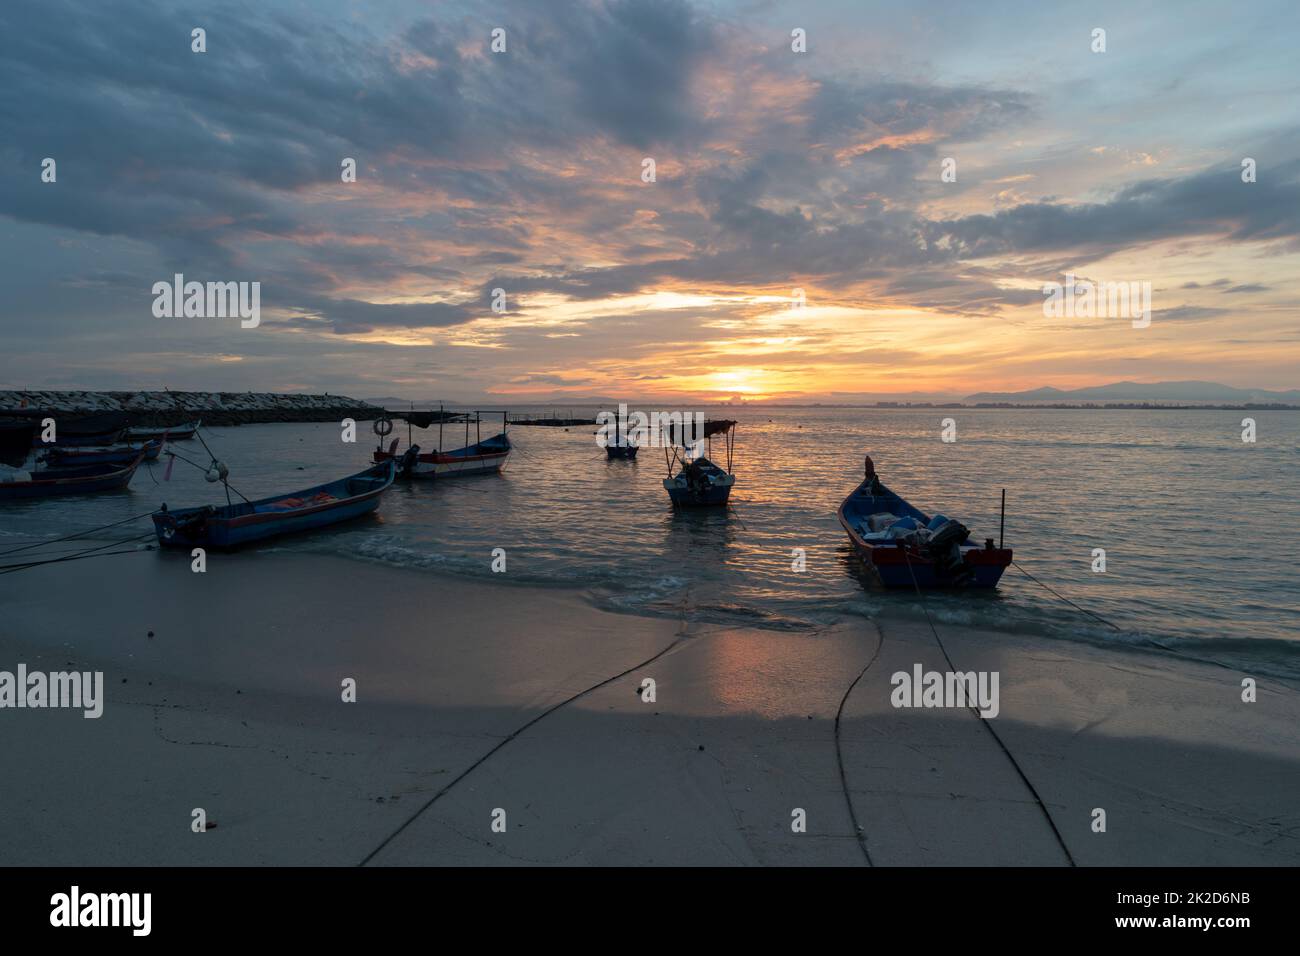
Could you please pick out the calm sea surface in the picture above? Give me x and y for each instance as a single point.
(1201, 531)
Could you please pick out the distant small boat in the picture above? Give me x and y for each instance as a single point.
(112, 455)
(907, 548)
(53, 482)
(174, 433)
(229, 526)
(620, 446)
(698, 482)
(483, 457)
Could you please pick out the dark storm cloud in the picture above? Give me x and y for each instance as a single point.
(213, 160)
(1212, 202)
(353, 316)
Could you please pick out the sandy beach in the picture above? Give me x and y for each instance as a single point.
(234, 705)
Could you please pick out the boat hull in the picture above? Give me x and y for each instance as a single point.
(484, 458)
(56, 482)
(627, 452)
(16, 441)
(75, 457)
(177, 433)
(237, 525)
(895, 564)
(684, 496)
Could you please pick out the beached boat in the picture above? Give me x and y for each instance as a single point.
(112, 455)
(907, 548)
(52, 482)
(698, 482)
(484, 456)
(174, 433)
(229, 526)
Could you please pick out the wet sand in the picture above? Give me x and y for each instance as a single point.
(234, 706)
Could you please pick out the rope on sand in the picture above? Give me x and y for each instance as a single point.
(988, 725)
(858, 833)
(481, 760)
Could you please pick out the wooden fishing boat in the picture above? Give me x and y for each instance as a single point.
(16, 436)
(83, 480)
(484, 456)
(174, 433)
(229, 526)
(906, 548)
(112, 455)
(698, 482)
(73, 431)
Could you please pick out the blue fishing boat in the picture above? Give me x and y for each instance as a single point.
(698, 482)
(906, 548)
(229, 526)
(111, 455)
(53, 482)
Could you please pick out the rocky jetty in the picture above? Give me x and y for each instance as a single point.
(174, 408)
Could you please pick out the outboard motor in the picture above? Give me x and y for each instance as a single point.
(406, 464)
(944, 549)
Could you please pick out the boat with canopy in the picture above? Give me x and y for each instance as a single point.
(694, 480)
(482, 456)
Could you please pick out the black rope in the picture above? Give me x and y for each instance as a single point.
(477, 763)
(858, 833)
(79, 534)
(229, 486)
(96, 552)
(988, 725)
(1097, 617)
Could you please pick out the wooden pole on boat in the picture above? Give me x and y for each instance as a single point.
(441, 416)
(1002, 521)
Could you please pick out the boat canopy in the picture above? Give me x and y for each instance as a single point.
(676, 432)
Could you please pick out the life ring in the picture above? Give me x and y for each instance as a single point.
(383, 426)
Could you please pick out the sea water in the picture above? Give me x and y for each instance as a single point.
(1200, 529)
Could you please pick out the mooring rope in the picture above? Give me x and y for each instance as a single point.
(79, 534)
(95, 552)
(858, 833)
(1097, 617)
(988, 725)
(481, 760)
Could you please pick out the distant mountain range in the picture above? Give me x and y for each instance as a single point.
(1189, 393)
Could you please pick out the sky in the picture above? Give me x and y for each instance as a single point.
(798, 242)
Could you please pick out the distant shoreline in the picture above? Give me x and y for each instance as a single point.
(1086, 406)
